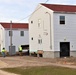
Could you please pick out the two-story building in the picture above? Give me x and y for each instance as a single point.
(19, 36)
(52, 29)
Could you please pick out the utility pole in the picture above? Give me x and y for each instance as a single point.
(10, 37)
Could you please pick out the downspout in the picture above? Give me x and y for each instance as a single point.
(50, 30)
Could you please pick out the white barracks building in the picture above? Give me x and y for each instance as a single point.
(20, 36)
(52, 29)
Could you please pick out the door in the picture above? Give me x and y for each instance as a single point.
(64, 49)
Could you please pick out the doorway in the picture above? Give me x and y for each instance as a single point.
(64, 49)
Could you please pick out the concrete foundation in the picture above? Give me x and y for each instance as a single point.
(51, 54)
(73, 53)
(55, 54)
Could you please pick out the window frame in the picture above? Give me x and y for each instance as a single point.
(39, 23)
(22, 33)
(10, 33)
(31, 38)
(39, 41)
(62, 20)
(31, 22)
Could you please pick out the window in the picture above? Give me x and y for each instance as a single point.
(10, 33)
(62, 19)
(31, 22)
(39, 41)
(39, 22)
(22, 33)
(32, 38)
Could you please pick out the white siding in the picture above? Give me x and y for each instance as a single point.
(43, 30)
(17, 40)
(65, 33)
(2, 37)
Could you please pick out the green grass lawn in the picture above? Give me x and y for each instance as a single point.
(47, 70)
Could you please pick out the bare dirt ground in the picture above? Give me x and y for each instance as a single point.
(6, 73)
(17, 61)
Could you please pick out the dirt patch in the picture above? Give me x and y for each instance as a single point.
(16, 61)
(6, 73)
(25, 61)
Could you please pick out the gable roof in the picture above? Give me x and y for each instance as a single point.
(15, 25)
(60, 8)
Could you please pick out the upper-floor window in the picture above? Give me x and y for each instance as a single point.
(39, 23)
(31, 22)
(10, 33)
(62, 19)
(22, 33)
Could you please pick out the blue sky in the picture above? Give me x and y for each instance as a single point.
(16, 10)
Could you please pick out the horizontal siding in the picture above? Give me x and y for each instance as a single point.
(65, 33)
(17, 40)
(35, 31)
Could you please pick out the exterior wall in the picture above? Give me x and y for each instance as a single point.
(17, 40)
(51, 32)
(43, 16)
(2, 37)
(73, 53)
(65, 33)
(51, 54)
